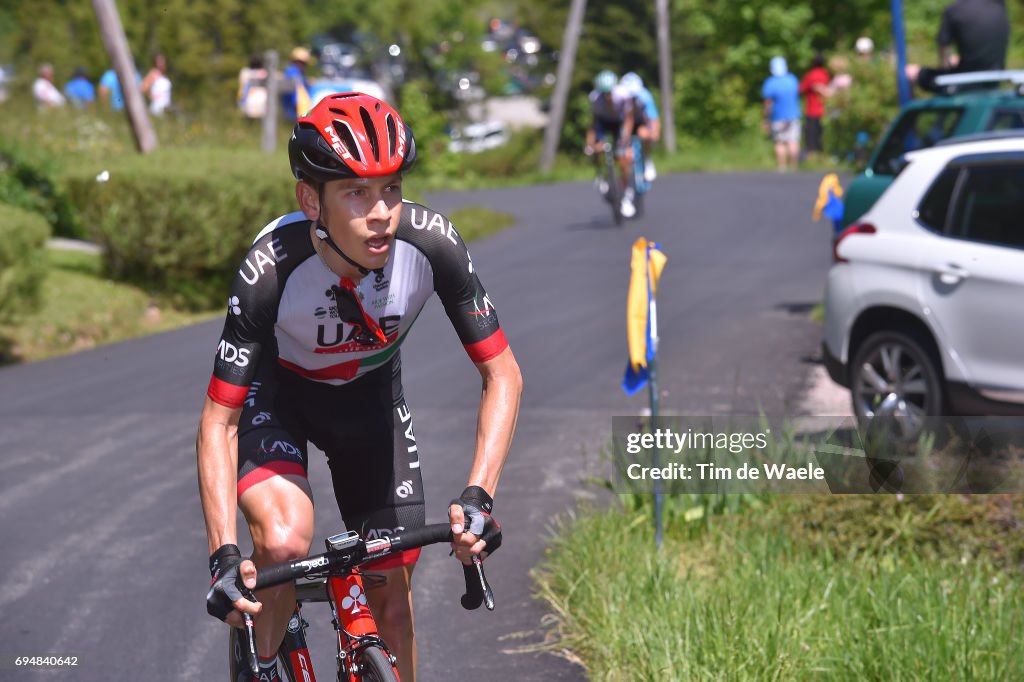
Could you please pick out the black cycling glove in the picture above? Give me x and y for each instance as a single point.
(476, 507)
(226, 587)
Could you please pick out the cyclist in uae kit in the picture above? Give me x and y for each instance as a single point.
(611, 117)
(310, 354)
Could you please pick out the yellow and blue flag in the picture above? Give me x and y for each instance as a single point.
(641, 312)
(830, 201)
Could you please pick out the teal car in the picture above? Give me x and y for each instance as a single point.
(986, 107)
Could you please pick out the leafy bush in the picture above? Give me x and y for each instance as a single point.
(177, 222)
(866, 107)
(519, 157)
(23, 236)
(29, 180)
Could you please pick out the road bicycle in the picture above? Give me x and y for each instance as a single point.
(335, 577)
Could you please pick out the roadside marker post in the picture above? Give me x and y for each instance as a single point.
(648, 261)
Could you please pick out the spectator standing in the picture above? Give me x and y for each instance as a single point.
(781, 94)
(44, 92)
(157, 86)
(252, 89)
(980, 32)
(79, 91)
(110, 89)
(295, 100)
(814, 88)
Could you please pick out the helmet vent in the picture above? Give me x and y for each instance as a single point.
(392, 135)
(371, 133)
(339, 112)
(348, 140)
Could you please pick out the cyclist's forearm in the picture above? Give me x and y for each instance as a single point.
(496, 424)
(217, 457)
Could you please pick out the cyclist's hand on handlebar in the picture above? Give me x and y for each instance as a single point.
(474, 530)
(588, 150)
(233, 578)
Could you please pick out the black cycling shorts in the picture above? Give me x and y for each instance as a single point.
(363, 426)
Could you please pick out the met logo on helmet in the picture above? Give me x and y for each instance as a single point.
(400, 147)
(336, 144)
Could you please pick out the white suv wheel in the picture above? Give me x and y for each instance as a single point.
(892, 375)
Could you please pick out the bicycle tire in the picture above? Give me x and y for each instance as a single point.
(613, 189)
(375, 666)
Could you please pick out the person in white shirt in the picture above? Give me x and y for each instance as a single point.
(44, 92)
(157, 86)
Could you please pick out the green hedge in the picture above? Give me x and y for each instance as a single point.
(29, 180)
(23, 236)
(177, 221)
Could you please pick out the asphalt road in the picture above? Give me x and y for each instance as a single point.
(103, 548)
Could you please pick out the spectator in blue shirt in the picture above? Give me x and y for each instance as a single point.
(79, 91)
(295, 100)
(781, 93)
(110, 89)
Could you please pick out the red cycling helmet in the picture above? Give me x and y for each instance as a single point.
(350, 135)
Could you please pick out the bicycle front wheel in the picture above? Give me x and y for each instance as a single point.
(375, 666)
(614, 196)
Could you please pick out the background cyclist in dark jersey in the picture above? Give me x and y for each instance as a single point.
(611, 119)
(309, 353)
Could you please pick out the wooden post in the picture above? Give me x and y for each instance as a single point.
(269, 141)
(668, 125)
(566, 62)
(112, 32)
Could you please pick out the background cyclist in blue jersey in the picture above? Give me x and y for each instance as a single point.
(310, 354)
(647, 123)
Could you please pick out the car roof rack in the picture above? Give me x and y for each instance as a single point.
(952, 81)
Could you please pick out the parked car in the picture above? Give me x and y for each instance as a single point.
(924, 305)
(477, 137)
(973, 103)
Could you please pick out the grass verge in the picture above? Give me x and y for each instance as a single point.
(80, 309)
(810, 587)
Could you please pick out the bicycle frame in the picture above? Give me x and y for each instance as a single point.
(355, 624)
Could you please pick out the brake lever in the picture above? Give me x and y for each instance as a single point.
(478, 591)
(254, 663)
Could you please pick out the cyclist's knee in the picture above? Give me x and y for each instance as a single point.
(391, 602)
(281, 542)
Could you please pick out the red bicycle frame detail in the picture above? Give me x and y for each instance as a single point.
(355, 622)
(301, 665)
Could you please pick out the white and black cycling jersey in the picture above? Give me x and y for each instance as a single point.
(611, 111)
(282, 304)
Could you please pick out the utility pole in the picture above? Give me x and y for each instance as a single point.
(566, 62)
(112, 32)
(269, 140)
(668, 118)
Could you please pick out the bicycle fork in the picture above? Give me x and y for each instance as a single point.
(356, 627)
(294, 651)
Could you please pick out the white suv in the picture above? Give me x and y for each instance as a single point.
(924, 307)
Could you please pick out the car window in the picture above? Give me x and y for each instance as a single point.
(934, 207)
(1007, 119)
(916, 129)
(990, 205)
